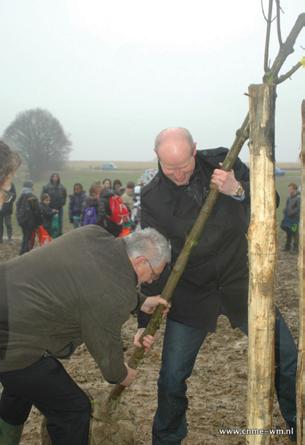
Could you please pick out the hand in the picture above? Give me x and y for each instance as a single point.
(225, 181)
(151, 303)
(147, 341)
(131, 375)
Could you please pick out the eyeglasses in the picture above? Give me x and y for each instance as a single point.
(8, 195)
(154, 275)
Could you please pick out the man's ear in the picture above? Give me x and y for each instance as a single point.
(139, 259)
(195, 149)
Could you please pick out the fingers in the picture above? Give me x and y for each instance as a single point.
(147, 341)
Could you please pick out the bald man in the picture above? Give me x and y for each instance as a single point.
(216, 277)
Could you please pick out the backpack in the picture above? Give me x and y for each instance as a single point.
(28, 211)
(89, 216)
(119, 213)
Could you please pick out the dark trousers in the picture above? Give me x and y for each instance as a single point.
(61, 219)
(7, 221)
(292, 237)
(28, 240)
(47, 385)
(180, 349)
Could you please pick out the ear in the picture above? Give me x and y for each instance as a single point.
(195, 149)
(139, 259)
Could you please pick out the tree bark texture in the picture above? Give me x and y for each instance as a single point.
(301, 356)
(262, 261)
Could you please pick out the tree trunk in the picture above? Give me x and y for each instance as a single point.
(301, 358)
(262, 260)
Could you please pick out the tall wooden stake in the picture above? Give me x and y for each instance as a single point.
(262, 260)
(301, 358)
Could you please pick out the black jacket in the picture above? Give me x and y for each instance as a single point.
(57, 193)
(216, 277)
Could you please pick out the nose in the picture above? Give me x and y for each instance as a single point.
(178, 175)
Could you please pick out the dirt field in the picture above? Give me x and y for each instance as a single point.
(217, 388)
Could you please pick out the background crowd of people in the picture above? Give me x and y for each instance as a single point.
(109, 204)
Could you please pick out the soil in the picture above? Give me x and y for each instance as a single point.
(218, 386)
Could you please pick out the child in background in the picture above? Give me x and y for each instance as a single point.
(91, 204)
(76, 205)
(46, 212)
(28, 216)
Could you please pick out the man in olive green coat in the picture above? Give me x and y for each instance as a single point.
(79, 289)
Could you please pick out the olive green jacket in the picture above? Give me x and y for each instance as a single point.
(80, 288)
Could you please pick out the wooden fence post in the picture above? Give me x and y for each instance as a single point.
(262, 260)
(301, 356)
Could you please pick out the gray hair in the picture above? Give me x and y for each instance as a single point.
(149, 243)
(184, 132)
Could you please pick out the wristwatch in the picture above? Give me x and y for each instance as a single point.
(239, 192)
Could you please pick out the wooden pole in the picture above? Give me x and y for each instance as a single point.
(301, 356)
(262, 260)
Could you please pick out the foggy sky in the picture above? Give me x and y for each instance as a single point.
(116, 74)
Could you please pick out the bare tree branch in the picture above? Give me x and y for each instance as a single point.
(289, 73)
(267, 41)
(278, 22)
(263, 11)
(287, 47)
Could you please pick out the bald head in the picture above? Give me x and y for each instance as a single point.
(175, 133)
(176, 151)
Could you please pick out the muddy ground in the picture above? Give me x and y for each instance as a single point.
(217, 388)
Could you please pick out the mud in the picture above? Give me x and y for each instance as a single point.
(217, 389)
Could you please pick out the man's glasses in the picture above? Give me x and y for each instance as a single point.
(154, 275)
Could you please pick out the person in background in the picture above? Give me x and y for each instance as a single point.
(9, 163)
(291, 220)
(117, 187)
(94, 294)
(47, 212)
(28, 215)
(107, 184)
(58, 196)
(6, 215)
(128, 197)
(91, 204)
(76, 205)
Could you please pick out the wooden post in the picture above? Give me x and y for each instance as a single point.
(262, 256)
(301, 357)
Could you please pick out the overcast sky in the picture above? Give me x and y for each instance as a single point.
(116, 73)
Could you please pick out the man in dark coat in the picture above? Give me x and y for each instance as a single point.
(58, 196)
(81, 288)
(216, 277)
(6, 215)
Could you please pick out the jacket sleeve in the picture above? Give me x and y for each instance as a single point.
(71, 203)
(13, 190)
(64, 195)
(105, 346)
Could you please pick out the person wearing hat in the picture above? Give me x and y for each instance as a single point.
(28, 216)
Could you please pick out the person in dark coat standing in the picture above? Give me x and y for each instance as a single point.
(58, 196)
(6, 215)
(76, 205)
(215, 280)
(291, 220)
(28, 215)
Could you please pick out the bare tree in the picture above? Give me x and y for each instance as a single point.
(40, 139)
